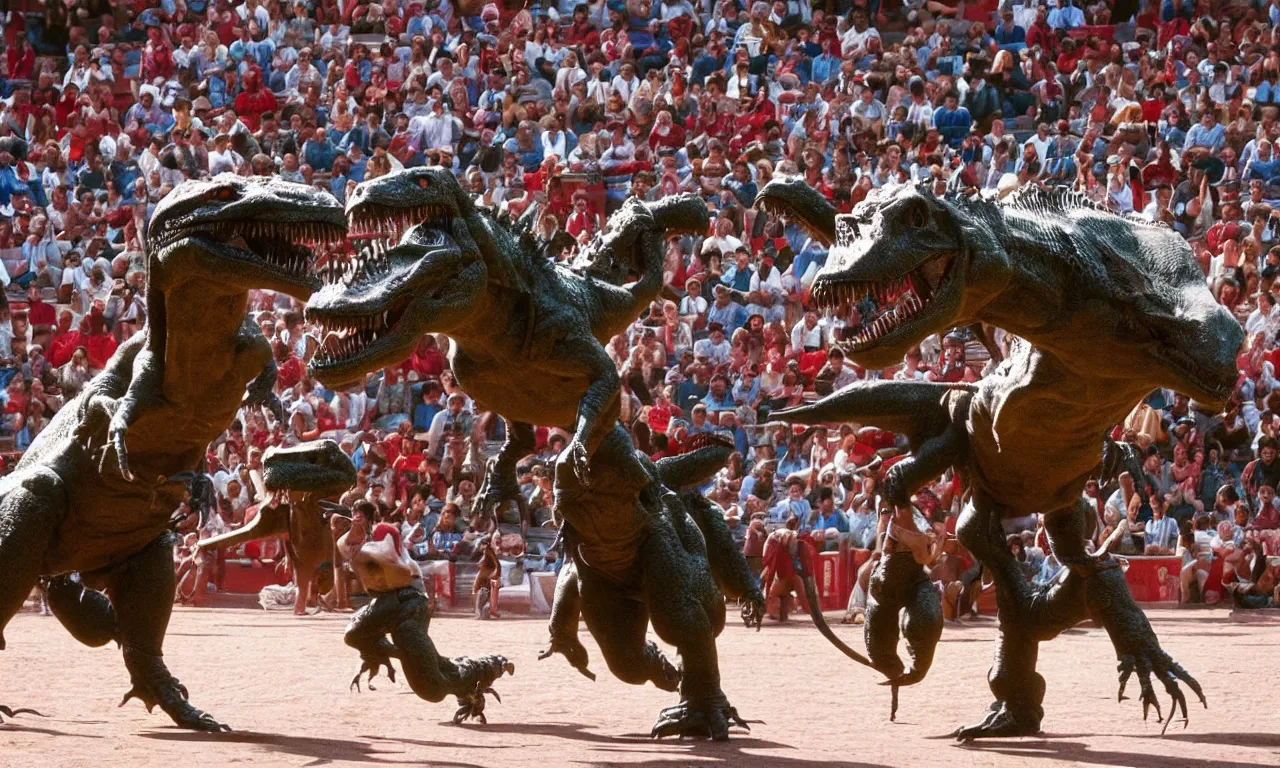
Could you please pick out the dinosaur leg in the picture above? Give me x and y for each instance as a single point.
(1107, 599)
(500, 486)
(1028, 615)
(30, 514)
(141, 590)
(618, 623)
(432, 676)
(566, 609)
(687, 611)
(367, 633)
(86, 613)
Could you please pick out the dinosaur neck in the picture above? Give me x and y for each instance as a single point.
(495, 309)
(199, 341)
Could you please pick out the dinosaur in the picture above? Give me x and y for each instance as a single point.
(318, 469)
(307, 473)
(167, 392)
(1102, 309)
(527, 343)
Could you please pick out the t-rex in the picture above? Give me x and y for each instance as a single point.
(308, 473)
(527, 343)
(1105, 308)
(166, 393)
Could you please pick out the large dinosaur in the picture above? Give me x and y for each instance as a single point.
(527, 343)
(307, 473)
(166, 393)
(1105, 308)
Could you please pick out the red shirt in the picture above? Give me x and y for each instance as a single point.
(1041, 34)
(42, 314)
(100, 347)
(21, 66)
(290, 373)
(64, 346)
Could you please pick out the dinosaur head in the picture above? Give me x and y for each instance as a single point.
(388, 206)
(244, 232)
(376, 306)
(801, 204)
(318, 467)
(903, 267)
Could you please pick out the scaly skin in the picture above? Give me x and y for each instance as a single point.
(162, 398)
(308, 473)
(1105, 309)
(528, 344)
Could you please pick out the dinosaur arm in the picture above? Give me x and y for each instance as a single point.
(929, 460)
(601, 393)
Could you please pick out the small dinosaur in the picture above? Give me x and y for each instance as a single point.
(307, 474)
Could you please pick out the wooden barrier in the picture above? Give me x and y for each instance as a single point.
(1154, 579)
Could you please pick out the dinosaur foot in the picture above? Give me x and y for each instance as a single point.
(699, 720)
(574, 652)
(1168, 672)
(372, 665)
(753, 610)
(7, 712)
(483, 671)
(1002, 722)
(154, 686)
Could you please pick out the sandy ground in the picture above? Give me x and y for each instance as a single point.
(282, 683)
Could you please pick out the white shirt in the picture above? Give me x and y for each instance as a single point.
(803, 336)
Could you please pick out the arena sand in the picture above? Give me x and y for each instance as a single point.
(281, 682)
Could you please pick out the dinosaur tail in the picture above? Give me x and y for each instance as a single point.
(820, 621)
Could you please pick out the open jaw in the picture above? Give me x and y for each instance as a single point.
(779, 207)
(284, 253)
(369, 221)
(876, 309)
(350, 340)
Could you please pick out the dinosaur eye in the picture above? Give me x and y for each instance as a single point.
(226, 194)
(424, 182)
(917, 217)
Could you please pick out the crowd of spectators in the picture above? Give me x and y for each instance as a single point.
(1165, 109)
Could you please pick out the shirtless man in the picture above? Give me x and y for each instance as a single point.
(398, 606)
(780, 577)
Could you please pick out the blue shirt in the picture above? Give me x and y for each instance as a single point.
(732, 317)
(952, 124)
(423, 413)
(835, 520)
(1199, 136)
(739, 280)
(1015, 35)
(320, 154)
(786, 508)
(825, 67)
(725, 403)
